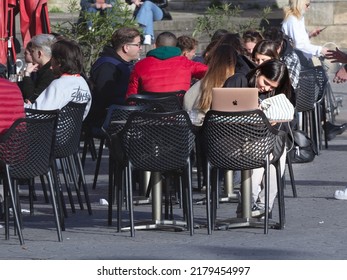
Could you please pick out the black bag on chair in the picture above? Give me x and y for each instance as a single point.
(301, 149)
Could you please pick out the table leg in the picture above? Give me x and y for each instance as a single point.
(229, 194)
(246, 193)
(156, 196)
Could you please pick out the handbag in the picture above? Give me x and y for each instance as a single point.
(302, 149)
(278, 108)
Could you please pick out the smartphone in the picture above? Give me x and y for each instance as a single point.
(320, 30)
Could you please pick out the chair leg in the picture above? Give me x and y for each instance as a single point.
(130, 201)
(54, 206)
(208, 199)
(111, 172)
(74, 176)
(267, 194)
(291, 175)
(280, 195)
(84, 183)
(44, 189)
(98, 162)
(64, 168)
(60, 195)
(14, 207)
(189, 188)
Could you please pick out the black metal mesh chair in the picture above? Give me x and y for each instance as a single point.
(38, 114)
(159, 143)
(66, 149)
(26, 152)
(169, 102)
(307, 94)
(115, 120)
(238, 141)
(321, 112)
(179, 94)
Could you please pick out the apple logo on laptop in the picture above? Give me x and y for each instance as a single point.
(235, 102)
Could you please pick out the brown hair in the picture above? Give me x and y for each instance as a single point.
(123, 36)
(222, 61)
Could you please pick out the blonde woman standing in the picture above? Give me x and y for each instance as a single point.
(293, 26)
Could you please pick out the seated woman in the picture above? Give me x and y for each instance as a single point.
(146, 12)
(270, 77)
(264, 50)
(250, 39)
(71, 86)
(222, 63)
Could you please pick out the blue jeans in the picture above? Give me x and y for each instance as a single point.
(148, 13)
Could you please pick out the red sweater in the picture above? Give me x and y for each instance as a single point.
(162, 73)
(11, 105)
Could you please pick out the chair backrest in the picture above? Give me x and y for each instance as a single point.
(322, 80)
(117, 115)
(169, 102)
(179, 94)
(69, 128)
(307, 91)
(158, 141)
(238, 140)
(27, 147)
(40, 114)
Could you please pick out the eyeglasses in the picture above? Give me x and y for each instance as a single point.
(308, 5)
(139, 45)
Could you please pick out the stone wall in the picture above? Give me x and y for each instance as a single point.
(331, 13)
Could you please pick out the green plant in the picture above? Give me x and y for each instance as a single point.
(55, 10)
(94, 39)
(227, 16)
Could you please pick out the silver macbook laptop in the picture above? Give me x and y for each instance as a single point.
(234, 99)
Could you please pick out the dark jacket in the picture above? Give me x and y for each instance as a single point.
(238, 80)
(32, 88)
(109, 84)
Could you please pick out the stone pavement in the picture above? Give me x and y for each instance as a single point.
(316, 224)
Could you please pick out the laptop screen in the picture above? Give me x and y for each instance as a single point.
(234, 99)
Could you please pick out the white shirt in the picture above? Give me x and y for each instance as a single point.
(61, 91)
(295, 29)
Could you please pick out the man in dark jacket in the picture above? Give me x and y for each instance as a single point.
(41, 53)
(164, 69)
(110, 73)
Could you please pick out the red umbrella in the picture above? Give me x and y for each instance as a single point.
(7, 51)
(3, 31)
(34, 18)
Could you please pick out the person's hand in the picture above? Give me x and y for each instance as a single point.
(315, 32)
(105, 6)
(341, 76)
(27, 101)
(137, 2)
(337, 56)
(30, 68)
(324, 51)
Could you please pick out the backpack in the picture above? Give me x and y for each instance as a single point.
(302, 148)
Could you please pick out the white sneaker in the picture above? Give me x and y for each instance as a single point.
(341, 195)
(147, 40)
